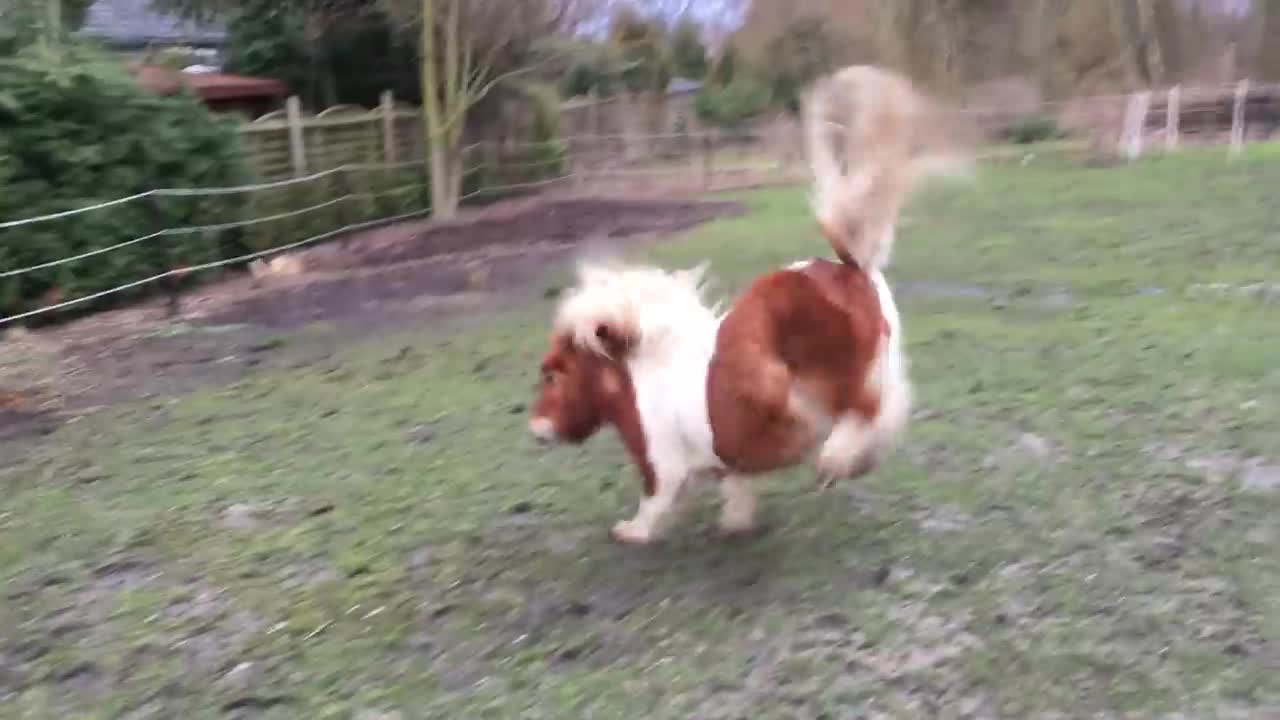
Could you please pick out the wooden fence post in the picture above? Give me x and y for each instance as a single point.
(1135, 121)
(578, 161)
(1172, 118)
(593, 113)
(1237, 117)
(297, 145)
(343, 188)
(695, 154)
(387, 107)
(172, 257)
(708, 159)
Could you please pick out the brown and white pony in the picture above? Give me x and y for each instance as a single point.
(809, 357)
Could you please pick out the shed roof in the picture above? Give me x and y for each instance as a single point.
(207, 85)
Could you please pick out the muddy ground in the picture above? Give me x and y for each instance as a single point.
(1080, 523)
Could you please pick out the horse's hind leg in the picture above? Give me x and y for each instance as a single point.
(759, 424)
(849, 450)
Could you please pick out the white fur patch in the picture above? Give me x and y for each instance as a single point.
(543, 429)
(890, 371)
(738, 513)
(848, 443)
(673, 333)
(643, 304)
(802, 403)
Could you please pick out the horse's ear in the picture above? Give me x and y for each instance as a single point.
(614, 342)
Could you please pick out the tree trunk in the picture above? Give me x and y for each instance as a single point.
(1168, 27)
(631, 119)
(454, 79)
(1042, 38)
(889, 40)
(1270, 60)
(454, 160)
(1136, 39)
(439, 141)
(442, 205)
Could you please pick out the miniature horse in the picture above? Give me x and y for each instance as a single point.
(810, 357)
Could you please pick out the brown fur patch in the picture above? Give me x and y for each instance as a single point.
(815, 331)
(582, 391)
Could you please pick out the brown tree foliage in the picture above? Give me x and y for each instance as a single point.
(1062, 47)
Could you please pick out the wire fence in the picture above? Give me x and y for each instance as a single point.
(282, 215)
(341, 218)
(278, 216)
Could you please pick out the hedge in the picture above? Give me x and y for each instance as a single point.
(75, 130)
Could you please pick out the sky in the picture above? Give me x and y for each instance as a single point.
(719, 17)
(722, 17)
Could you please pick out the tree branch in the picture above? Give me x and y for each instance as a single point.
(477, 92)
(468, 57)
(453, 36)
(430, 98)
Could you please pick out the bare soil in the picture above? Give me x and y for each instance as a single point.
(405, 273)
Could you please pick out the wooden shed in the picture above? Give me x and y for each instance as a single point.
(221, 92)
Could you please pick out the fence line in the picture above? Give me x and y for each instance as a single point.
(68, 213)
(693, 155)
(290, 141)
(81, 256)
(392, 191)
(1179, 97)
(198, 192)
(179, 272)
(219, 227)
(247, 257)
(255, 187)
(517, 186)
(563, 142)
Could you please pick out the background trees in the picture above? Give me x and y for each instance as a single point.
(1064, 47)
(753, 56)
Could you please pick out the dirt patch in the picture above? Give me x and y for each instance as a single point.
(397, 275)
(507, 248)
(560, 222)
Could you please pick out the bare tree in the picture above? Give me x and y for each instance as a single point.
(1068, 46)
(466, 49)
(1040, 33)
(1269, 60)
(1166, 20)
(1136, 39)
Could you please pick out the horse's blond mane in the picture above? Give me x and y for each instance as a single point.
(641, 303)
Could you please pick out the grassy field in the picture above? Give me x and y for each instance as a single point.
(1084, 522)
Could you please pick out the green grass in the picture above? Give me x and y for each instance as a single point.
(1066, 530)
